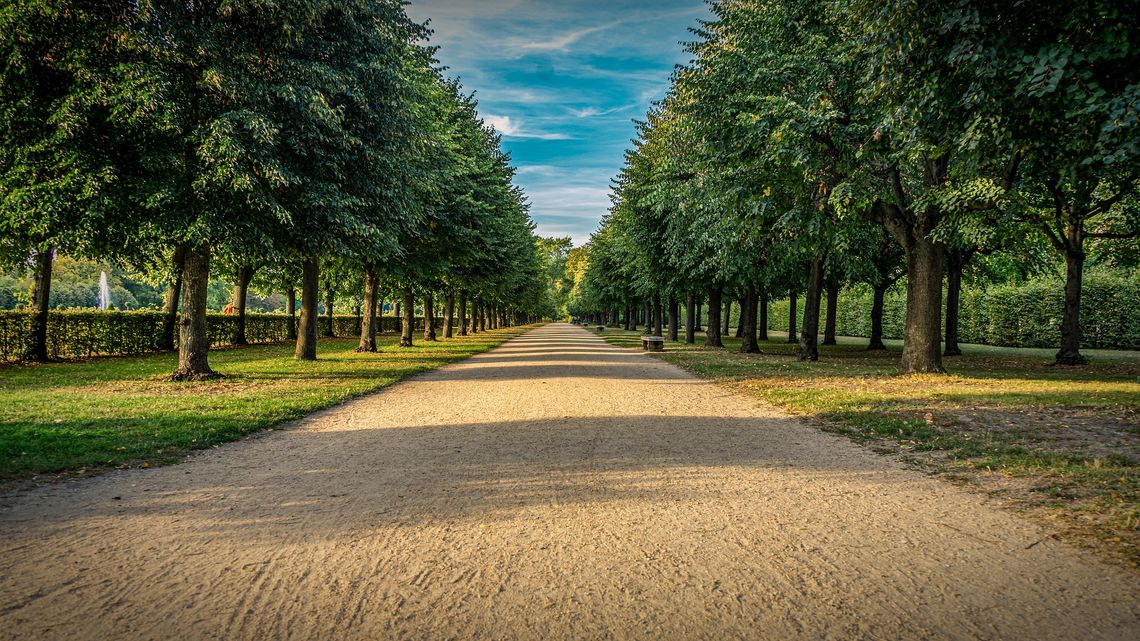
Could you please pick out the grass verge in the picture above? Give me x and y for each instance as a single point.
(78, 418)
(1060, 443)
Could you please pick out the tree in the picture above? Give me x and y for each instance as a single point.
(57, 176)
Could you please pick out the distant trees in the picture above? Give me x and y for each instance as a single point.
(278, 135)
(799, 127)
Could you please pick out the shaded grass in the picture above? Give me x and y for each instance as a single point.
(120, 412)
(1060, 442)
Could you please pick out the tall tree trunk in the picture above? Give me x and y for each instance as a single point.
(657, 320)
(955, 263)
(674, 318)
(740, 319)
(1070, 352)
(329, 295)
(876, 342)
(368, 318)
(463, 312)
(699, 315)
(922, 340)
(762, 321)
(482, 316)
(809, 337)
(727, 318)
(41, 304)
(748, 344)
(429, 317)
(306, 349)
(691, 319)
(407, 325)
(792, 318)
(193, 333)
(832, 309)
(712, 336)
(173, 295)
(448, 314)
(237, 301)
(291, 310)
(628, 326)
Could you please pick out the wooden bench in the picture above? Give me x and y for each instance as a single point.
(653, 343)
(601, 328)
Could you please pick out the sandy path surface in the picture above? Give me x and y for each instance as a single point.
(554, 488)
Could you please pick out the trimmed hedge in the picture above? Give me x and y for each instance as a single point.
(74, 334)
(1024, 315)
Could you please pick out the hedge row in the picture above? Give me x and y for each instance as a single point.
(1025, 315)
(86, 334)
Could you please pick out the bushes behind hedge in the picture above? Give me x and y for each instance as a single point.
(74, 334)
(1023, 315)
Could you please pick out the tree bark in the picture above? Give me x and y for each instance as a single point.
(876, 342)
(762, 321)
(41, 306)
(463, 312)
(727, 318)
(170, 301)
(922, 340)
(368, 318)
(407, 325)
(691, 319)
(674, 318)
(329, 329)
(955, 263)
(482, 316)
(748, 344)
(712, 336)
(922, 336)
(291, 310)
(448, 314)
(792, 317)
(699, 315)
(740, 319)
(306, 349)
(237, 301)
(193, 332)
(809, 336)
(832, 309)
(1070, 352)
(657, 320)
(429, 317)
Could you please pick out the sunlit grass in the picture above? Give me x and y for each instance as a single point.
(121, 411)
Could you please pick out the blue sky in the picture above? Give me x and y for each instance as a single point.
(563, 81)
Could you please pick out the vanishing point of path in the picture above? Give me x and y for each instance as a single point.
(554, 488)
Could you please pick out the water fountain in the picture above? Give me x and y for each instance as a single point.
(104, 291)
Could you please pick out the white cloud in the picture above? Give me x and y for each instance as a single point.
(511, 129)
(592, 112)
(562, 42)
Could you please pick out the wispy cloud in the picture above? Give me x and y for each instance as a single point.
(593, 112)
(560, 43)
(511, 129)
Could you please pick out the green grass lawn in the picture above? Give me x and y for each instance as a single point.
(121, 412)
(1060, 442)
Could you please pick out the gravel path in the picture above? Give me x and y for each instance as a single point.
(554, 488)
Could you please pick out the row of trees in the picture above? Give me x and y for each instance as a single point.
(810, 144)
(311, 144)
